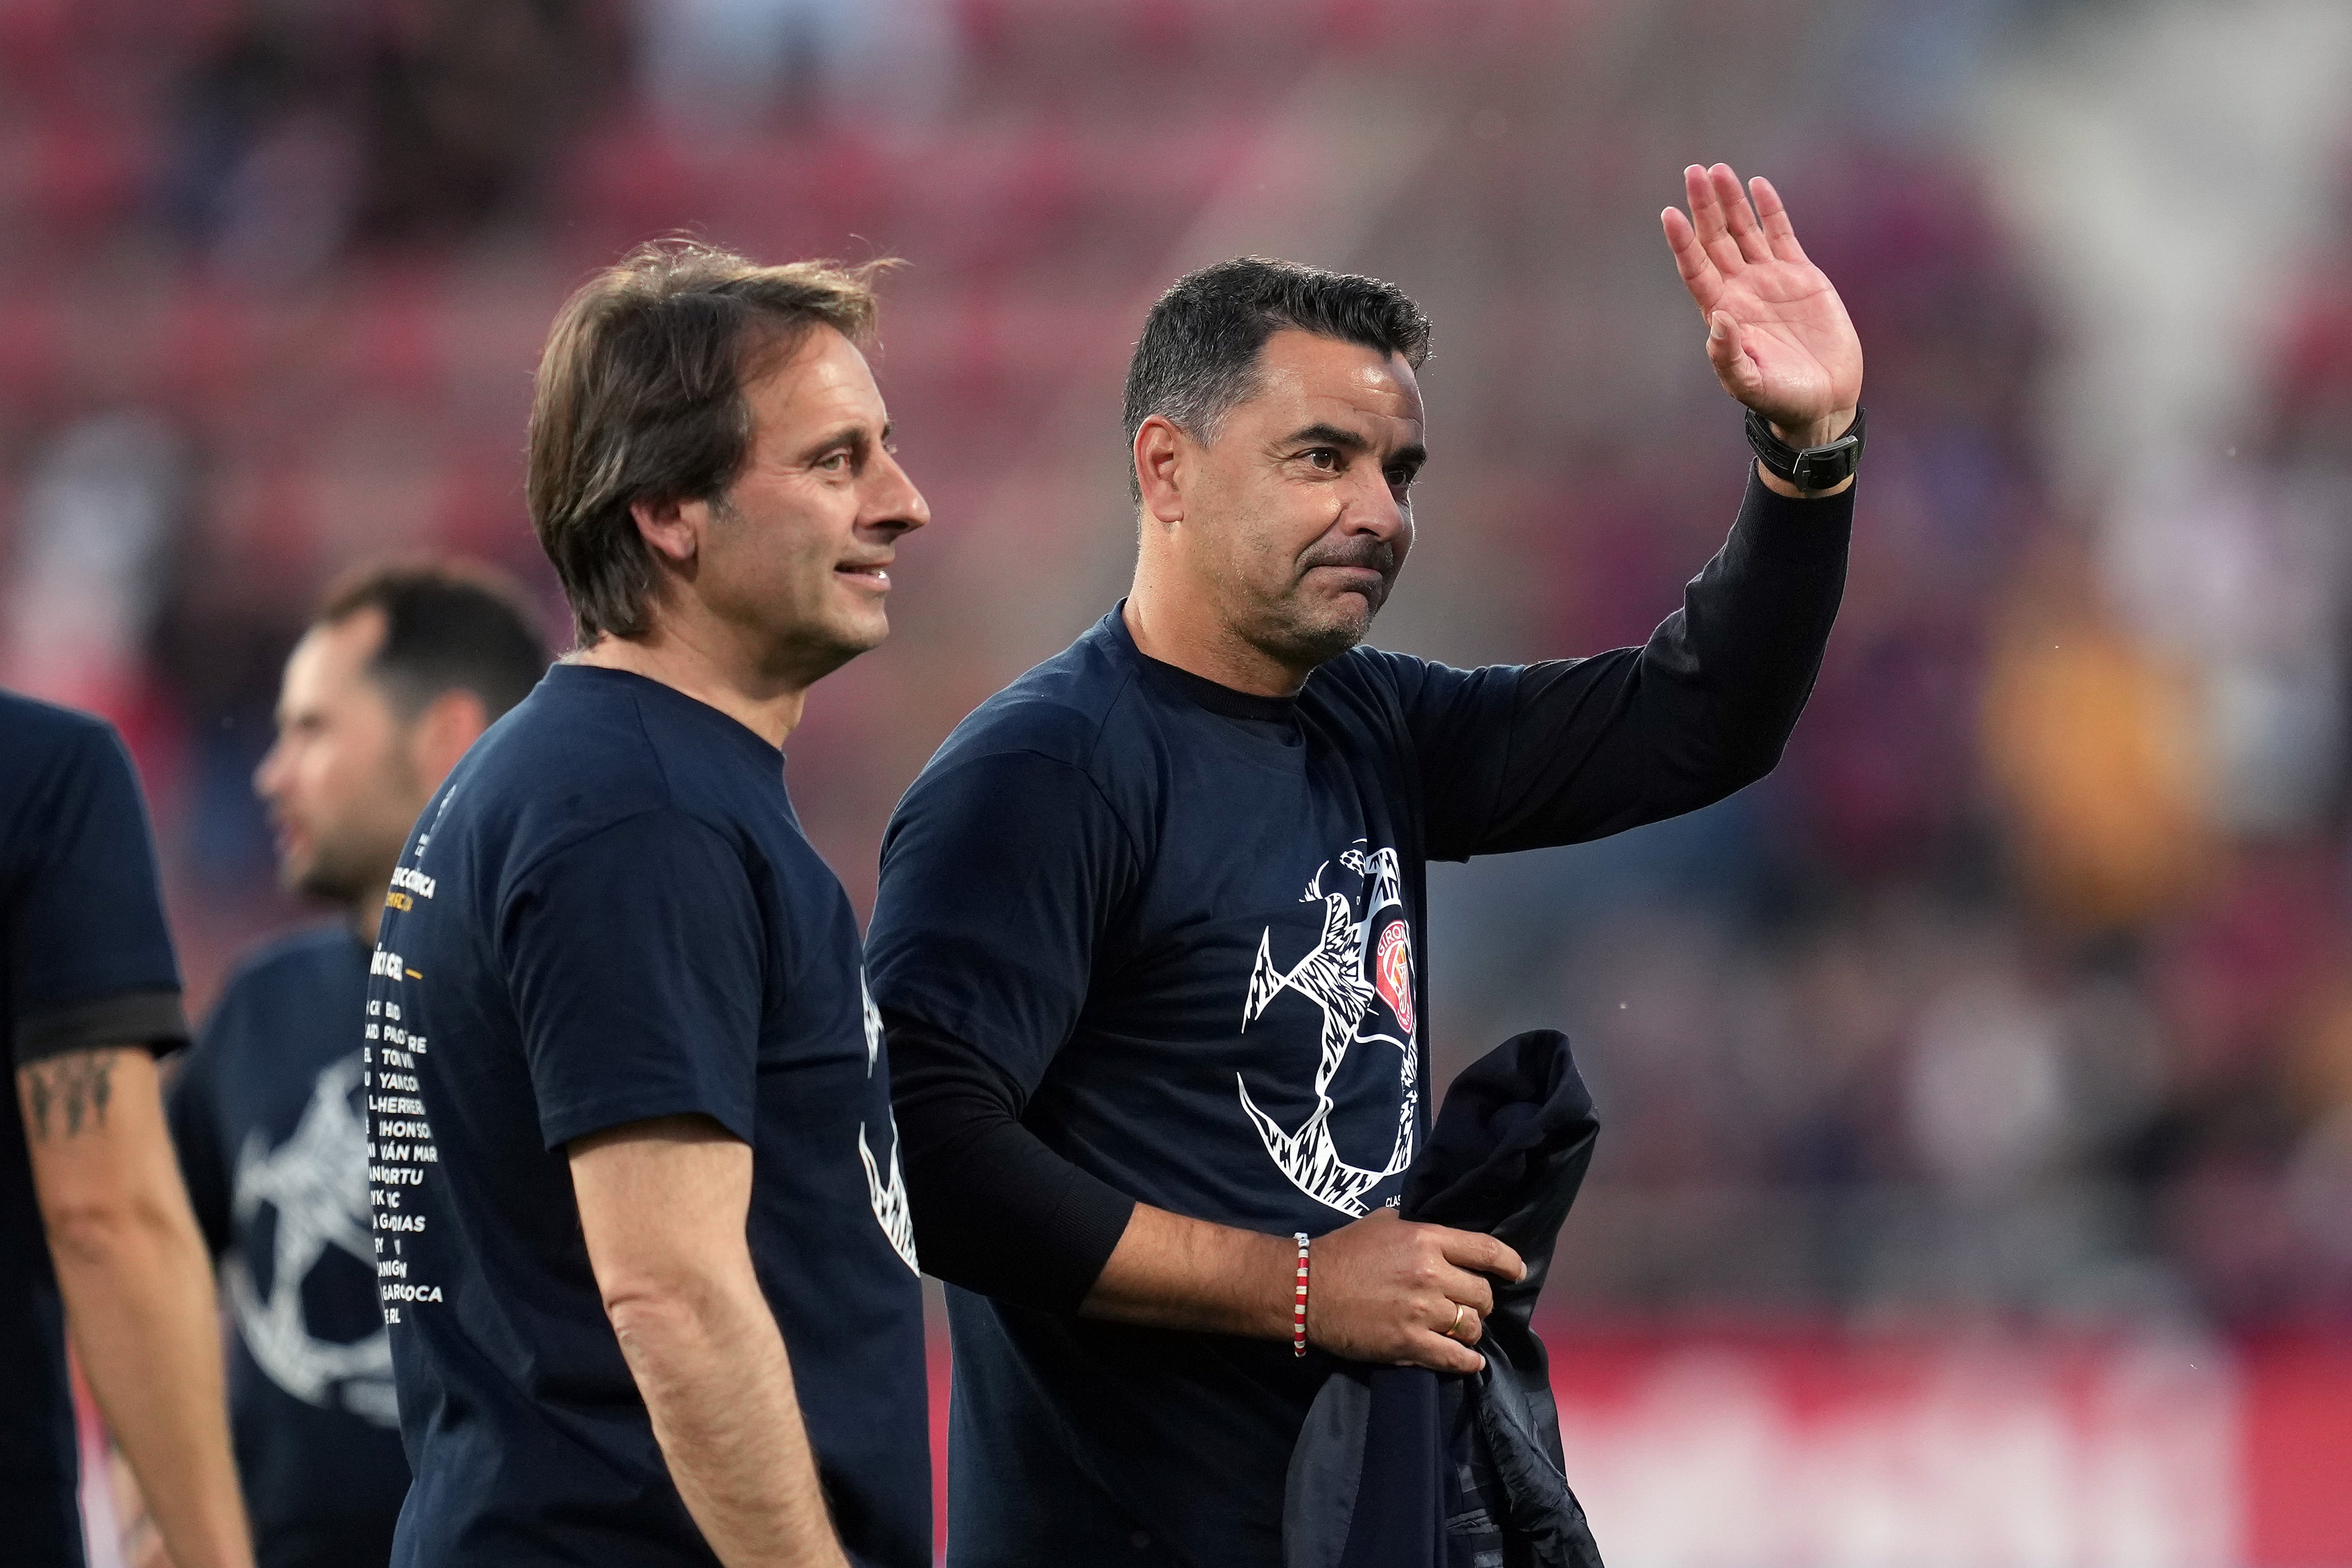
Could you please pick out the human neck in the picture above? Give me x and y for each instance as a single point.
(700, 662)
(1173, 621)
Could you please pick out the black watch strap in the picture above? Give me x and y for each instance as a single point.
(1814, 468)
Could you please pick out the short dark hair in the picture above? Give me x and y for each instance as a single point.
(449, 626)
(640, 398)
(1198, 355)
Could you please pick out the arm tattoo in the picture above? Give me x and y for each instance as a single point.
(69, 1092)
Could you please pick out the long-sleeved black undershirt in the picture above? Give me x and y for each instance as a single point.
(1497, 760)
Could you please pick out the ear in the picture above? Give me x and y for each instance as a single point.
(672, 529)
(440, 735)
(1162, 467)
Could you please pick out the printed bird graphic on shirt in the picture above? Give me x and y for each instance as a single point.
(888, 1197)
(1343, 976)
(315, 1183)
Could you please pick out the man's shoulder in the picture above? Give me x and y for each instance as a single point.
(286, 988)
(312, 956)
(45, 740)
(36, 728)
(564, 764)
(569, 729)
(1072, 709)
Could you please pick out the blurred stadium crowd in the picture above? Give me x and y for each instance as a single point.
(2021, 988)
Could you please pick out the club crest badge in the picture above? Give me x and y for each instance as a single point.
(1392, 973)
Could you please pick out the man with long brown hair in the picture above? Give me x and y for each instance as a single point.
(641, 1237)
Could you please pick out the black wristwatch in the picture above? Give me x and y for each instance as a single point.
(1814, 468)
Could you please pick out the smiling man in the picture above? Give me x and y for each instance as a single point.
(1148, 945)
(640, 1235)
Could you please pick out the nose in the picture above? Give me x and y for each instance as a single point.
(895, 505)
(265, 773)
(1374, 508)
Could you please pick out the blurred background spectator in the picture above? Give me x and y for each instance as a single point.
(2018, 995)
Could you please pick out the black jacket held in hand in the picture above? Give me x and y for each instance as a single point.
(1402, 1467)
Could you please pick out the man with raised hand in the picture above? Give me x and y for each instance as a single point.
(640, 1233)
(96, 1234)
(1149, 943)
(404, 668)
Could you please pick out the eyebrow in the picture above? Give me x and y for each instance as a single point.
(1348, 440)
(854, 437)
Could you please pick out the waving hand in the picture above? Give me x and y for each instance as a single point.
(1777, 332)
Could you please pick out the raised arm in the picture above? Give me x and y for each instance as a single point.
(663, 1205)
(138, 1289)
(1519, 757)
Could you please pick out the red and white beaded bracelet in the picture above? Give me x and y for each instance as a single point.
(1299, 1308)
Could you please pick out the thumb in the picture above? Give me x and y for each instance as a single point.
(1724, 350)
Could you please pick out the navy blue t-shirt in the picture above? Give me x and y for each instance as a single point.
(1141, 937)
(609, 913)
(85, 961)
(267, 1113)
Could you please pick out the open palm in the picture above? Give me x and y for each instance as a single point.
(1777, 332)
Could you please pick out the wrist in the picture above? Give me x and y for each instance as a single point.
(1820, 433)
(1278, 1293)
(1821, 467)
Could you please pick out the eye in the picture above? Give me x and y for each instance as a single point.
(1324, 458)
(834, 462)
(1401, 478)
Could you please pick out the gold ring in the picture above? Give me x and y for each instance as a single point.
(1453, 1330)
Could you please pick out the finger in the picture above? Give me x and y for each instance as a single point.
(1732, 366)
(1737, 215)
(1778, 229)
(1469, 1249)
(1438, 1353)
(1707, 216)
(1699, 275)
(1471, 1320)
(1474, 1291)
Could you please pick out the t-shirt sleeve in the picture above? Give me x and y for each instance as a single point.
(89, 955)
(192, 1110)
(634, 963)
(1522, 756)
(998, 874)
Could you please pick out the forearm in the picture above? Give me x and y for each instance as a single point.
(1170, 1272)
(996, 1211)
(711, 1366)
(137, 1290)
(1757, 620)
(1710, 700)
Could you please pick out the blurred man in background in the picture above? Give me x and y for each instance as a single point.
(404, 668)
(1149, 936)
(91, 1207)
(632, 1120)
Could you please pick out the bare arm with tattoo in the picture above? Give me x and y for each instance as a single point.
(138, 1289)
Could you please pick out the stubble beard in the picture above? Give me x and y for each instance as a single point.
(1306, 631)
(343, 874)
